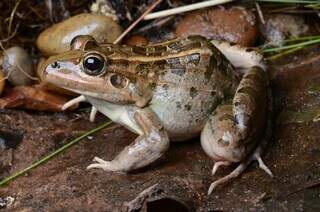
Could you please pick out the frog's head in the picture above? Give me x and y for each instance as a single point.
(88, 69)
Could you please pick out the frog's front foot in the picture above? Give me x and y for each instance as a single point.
(147, 148)
(105, 165)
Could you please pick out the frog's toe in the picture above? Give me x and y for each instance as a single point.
(262, 165)
(99, 160)
(217, 165)
(234, 174)
(102, 164)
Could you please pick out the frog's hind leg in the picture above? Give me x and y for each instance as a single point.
(237, 132)
(241, 57)
(218, 164)
(240, 169)
(147, 148)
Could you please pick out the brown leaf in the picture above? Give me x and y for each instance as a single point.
(33, 98)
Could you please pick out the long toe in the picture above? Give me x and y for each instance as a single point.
(99, 160)
(105, 166)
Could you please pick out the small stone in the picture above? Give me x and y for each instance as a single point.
(137, 40)
(279, 27)
(17, 65)
(56, 39)
(235, 24)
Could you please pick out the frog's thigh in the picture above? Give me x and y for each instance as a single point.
(240, 57)
(220, 136)
(144, 150)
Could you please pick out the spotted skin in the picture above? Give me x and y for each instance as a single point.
(171, 91)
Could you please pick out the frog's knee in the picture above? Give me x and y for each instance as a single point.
(220, 138)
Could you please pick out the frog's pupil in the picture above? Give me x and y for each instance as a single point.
(93, 65)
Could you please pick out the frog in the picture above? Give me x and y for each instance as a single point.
(175, 90)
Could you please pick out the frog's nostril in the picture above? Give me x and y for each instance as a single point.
(55, 65)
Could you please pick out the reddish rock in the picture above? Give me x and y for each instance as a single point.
(234, 24)
(137, 40)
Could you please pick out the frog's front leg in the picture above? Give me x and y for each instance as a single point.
(237, 132)
(147, 148)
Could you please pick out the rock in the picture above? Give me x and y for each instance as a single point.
(234, 24)
(279, 27)
(2, 81)
(56, 39)
(103, 7)
(137, 40)
(17, 65)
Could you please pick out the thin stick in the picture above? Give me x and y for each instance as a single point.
(137, 21)
(11, 16)
(51, 155)
(185, 8)
(260, 13)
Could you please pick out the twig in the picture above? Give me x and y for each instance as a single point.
(260, 13)
(155, 23)
(51, 155)
(13, 12)
(11, 36)
(185, 8)
(137, 21)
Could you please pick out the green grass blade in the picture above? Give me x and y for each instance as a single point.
(314, 41)
(56, 152)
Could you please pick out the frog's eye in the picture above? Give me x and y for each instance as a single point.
(93, 64)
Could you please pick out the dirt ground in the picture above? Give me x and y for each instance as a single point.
(183, 176)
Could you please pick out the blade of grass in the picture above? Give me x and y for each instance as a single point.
(302, 38)
(266, 46)
(268, 50)
(13, 12)
(56, 152)
(273, 57)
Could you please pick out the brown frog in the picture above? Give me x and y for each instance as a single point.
(173, 91)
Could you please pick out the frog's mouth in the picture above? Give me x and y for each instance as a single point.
(68, 74)
(74, 81)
